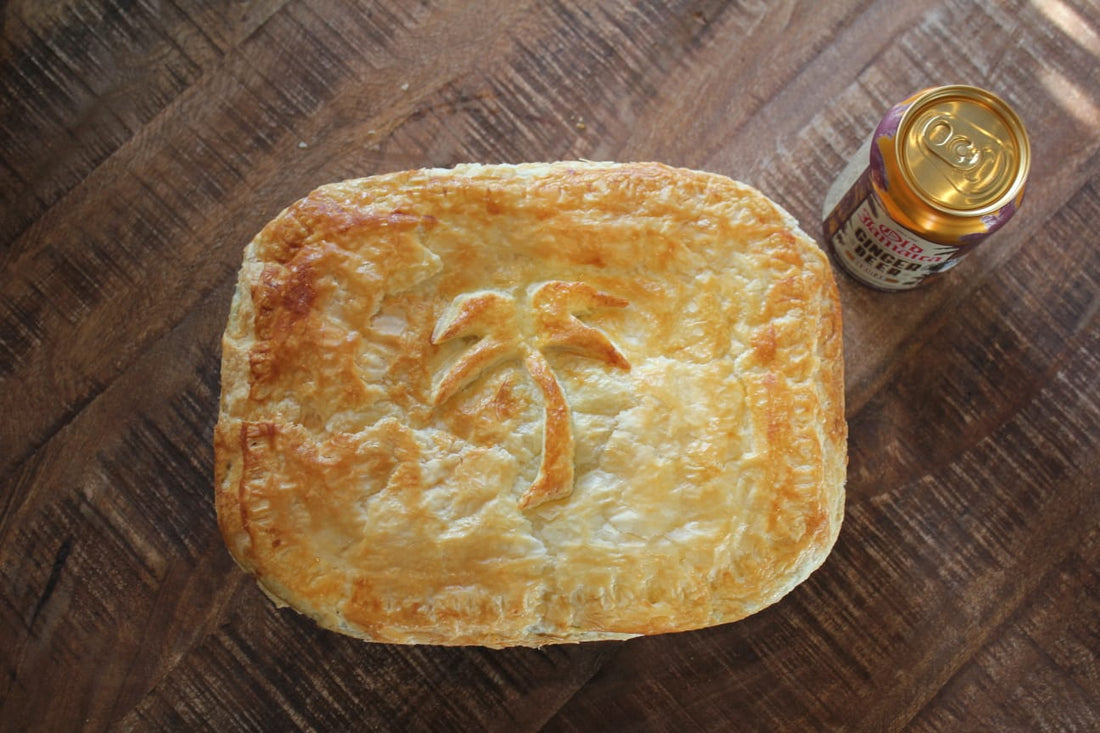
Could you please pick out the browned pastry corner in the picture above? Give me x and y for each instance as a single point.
(533, 404)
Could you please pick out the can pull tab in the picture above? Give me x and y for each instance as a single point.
(969, 158)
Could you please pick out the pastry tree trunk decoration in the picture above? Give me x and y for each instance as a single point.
(493, 318)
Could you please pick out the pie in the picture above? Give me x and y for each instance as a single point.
(518, 405)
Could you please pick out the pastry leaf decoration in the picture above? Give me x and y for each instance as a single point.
(493, 320)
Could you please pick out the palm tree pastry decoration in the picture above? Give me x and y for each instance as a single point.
(493, 319)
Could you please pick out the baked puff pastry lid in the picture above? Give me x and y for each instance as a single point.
(531, 404)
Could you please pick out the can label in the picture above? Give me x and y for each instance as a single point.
(877, 250)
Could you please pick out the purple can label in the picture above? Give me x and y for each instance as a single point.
(875, 249)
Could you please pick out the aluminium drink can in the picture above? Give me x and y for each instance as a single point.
(943, 170)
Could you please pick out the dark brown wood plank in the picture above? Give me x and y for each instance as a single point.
(350, 685)
(80, 79)
(112, 564)
(1041, 671)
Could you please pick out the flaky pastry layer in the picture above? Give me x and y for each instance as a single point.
(532, 404)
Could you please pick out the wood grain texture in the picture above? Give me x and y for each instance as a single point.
(82, 78)
(143, 143)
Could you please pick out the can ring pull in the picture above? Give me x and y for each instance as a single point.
(974, 168)
(958, 151)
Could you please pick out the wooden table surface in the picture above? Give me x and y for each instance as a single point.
(143, 143)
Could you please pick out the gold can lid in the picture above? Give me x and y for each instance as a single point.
(962, 150)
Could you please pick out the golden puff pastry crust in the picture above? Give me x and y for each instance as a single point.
(532, 404)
